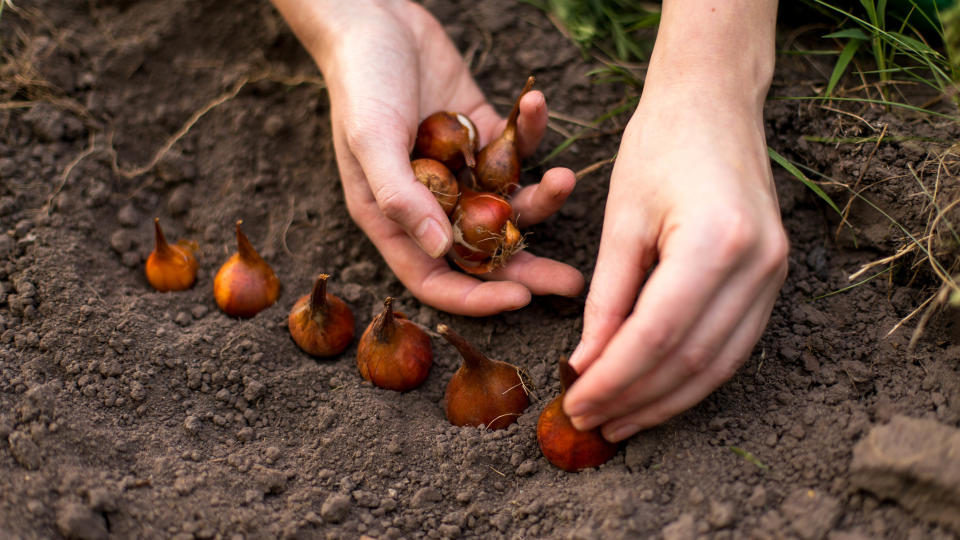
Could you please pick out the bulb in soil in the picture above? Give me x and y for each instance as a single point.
(245, 284)
(170, 267)
(450, 138)
(439, 180)
(564, 445)
(484, 234)
(320, 323)
(498, 164)
(483, 392)
(394, 353)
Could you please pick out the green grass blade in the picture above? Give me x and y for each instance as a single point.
(750, 458)
(849, 33)
(792, 169)
(842, 62)
(852, 285)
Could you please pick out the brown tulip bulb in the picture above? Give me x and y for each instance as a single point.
(245, 284)
(170, 267)
(564, 445)
(450, 138)
(439, 180)
(483, 392)
(394, 353)
(484, 235)
(498, 164)
(320, 323)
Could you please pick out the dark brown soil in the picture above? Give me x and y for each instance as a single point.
(136, 414)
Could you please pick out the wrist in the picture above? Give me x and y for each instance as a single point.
(722, 52)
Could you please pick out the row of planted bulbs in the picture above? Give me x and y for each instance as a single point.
(393, 353)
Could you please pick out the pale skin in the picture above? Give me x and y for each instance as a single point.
(691, 195)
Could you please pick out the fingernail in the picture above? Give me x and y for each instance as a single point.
(430, 236)
(585, 422)
(620, 433)
(579, 408)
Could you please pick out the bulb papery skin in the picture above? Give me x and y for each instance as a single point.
(482, 392)
(245, 284)
(498, 163)
(564, 445)
(450, 138)
(170, 267)
(484, 235)
(320, 323)
(394, 353)
(498, 167)
(439, 180)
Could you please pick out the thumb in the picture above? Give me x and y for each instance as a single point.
(386, 164)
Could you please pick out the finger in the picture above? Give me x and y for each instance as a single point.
(626, 254)
(696, 389)
(738, 302)
(380, 151)
(540, 275)
(532, 123)
(535, 203)
(671, 302)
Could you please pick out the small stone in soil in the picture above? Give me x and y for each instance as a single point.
(811, 513)
(335, 508)
(180, 200)
(76, 521)
(127, 216)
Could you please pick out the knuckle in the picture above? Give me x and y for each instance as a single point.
(776, 253)
(694, 360)
(733, 235)
(391, 202)
(657, 339)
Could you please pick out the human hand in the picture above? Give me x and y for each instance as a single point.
(388, 64)
(692, 197)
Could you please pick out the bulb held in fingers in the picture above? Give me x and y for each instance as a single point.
(564, 445)
(245, 284)
(498, 163)
(450, 138)
(484, 233)
(170, 267)
(439, 180)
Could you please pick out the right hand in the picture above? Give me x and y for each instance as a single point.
(387, 64)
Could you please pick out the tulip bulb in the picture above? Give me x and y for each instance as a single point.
(484, 233)
(564, 445)
(439, 180)
(320, 323)
(498, 164)
(394, 353)
(483, 391)
(450, 138)
(245, 284)
(170, 267)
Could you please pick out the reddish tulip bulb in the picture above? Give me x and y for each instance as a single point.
(245, 284)
(498, 164)
(564, 445)
(450, 138)
(483, 391)
(170, 267)
(484, 235)
(320, 323)
(439, 180)
(394, 353)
